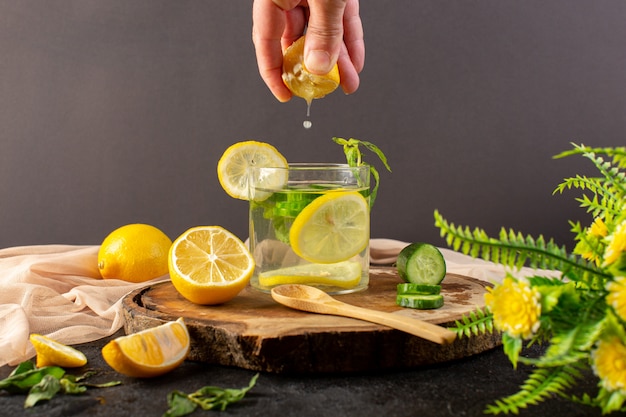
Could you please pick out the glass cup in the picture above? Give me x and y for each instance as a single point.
(310, 224)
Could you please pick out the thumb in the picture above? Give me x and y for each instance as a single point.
(324, 35)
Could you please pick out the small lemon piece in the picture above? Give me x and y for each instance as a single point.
(332, 228)
(209, 265)
(53, 353)
(150, 352)
(233, 168)
(300, 81)
(345, 274)
(134, 253)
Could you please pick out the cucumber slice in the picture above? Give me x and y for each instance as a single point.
(421, 302)
(421, 263)
(424, 289)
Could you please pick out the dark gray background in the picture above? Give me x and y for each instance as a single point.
(117, 111)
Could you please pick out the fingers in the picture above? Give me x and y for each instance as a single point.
(348, 74)
(324, 35)
(334, 35)
(353, 35)
(268, 24)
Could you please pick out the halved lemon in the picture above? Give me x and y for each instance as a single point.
(53, 353)
(346, 274)
(150, 352)
(209, 265)
(233, 168)
(332, 228)
(300, 81)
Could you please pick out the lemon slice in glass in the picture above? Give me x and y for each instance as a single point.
(332, 228)
(345, 274)
(233, 168)
(300, 81)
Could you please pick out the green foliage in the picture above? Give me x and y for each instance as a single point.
(354, 158)
(479, 321)
(44, 383)
(514, 250)
(207, 398)
(540, 385)
(574, 313)
(618, 154)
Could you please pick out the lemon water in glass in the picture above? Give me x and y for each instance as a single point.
(309, 224)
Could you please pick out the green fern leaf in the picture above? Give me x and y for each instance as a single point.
(541, 384)
(618, 154)
(513, 250)
(479, 321)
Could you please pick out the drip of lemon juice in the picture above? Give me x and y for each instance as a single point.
(307, 123)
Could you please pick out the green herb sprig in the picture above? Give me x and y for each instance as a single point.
(44, 383)
(207, 398)
(354, 158)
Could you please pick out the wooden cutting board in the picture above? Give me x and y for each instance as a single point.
(253, 332)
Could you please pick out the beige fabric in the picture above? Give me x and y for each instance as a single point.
(55, 290)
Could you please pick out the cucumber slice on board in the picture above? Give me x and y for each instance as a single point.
(421, 263)
(418, 301)
(425, 289)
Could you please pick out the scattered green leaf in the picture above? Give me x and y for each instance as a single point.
(44, 390)
(25, 377)
(208, 398)
(44, 383)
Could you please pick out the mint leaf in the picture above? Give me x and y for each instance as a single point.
(354, 157)
(24, 380)
(179, 405)
(208, 398)
(44, 390)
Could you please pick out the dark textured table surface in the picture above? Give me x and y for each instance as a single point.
(460, 388)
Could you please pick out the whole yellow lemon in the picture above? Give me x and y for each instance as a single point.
(135, 253)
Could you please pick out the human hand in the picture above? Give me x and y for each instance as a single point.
(334, 35)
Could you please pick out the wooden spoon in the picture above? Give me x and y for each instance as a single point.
(311, 299)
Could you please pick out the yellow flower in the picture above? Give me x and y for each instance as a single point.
(598, 228)
(515, 307)
(609, 363)
(616, 244)
(617, 296)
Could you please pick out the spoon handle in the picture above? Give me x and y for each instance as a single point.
(423, 329)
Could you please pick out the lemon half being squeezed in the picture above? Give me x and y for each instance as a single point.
(300, 81)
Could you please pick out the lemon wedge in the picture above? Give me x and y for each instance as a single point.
(150, 352)
(50, 352)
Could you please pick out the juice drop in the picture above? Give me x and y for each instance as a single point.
(307, 123)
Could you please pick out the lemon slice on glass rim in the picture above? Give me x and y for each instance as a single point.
(332, 228)
(234, 168)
